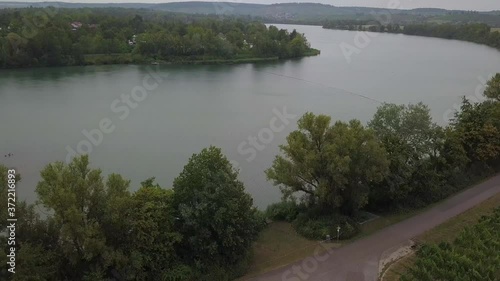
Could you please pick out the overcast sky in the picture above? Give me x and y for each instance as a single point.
(480, 5)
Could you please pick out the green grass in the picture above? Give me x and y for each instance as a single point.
(312, 52)
(279, 245)
(446, 232)
(399, 268)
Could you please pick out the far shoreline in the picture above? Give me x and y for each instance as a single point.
(130, 59)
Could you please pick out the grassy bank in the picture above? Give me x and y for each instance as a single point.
(279, 245)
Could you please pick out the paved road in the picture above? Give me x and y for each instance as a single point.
(359, 261)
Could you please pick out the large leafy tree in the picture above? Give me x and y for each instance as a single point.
(412, 124)
(493, 88)
(478, 127)
(332, 165)
(153, 236)
(412, 142)
(78, 199)
(214, 214)
(105, 232)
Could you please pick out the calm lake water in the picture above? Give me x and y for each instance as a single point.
(44, 111)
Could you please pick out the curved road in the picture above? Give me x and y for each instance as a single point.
(359, 261)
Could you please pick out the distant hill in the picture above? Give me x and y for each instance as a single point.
(310, 9)
(309, 13)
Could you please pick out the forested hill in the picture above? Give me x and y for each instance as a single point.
(112, 35)
(234, 8)
(306, 13)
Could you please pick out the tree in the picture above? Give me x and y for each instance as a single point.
(411, 139)
(81, 206)
(215, 215)
(478, 126)
(493, 88)
(333, 166)
(154, 236)
(298, 45)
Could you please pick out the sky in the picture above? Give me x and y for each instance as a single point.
(478, 5)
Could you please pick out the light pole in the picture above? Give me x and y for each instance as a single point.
(338, 233)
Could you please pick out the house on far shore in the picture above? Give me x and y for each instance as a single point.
(133, 41)
(76, 25)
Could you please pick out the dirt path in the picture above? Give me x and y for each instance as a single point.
(360, 260)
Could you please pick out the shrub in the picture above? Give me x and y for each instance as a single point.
(283, 211)
(317, 228)
(473, 255)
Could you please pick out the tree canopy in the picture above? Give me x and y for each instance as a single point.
(332, 164)
(97, 229)
(95, 36)
(213, 211)
(493, 88)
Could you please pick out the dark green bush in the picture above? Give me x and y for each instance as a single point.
(283, 211)
(317, 228)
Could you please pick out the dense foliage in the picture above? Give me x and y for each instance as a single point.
(97, 229)
(50, 37)
(472, 256)
(401, 160)
(331, 164)
(284, 211)
(214, 214)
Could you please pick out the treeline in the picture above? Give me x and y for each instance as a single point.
(472, 256)
(97, 229)
(58, 37)
(330, 173)
(361, 25)
(475, 33)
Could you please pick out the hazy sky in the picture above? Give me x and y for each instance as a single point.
(401, 4)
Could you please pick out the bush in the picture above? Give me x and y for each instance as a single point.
(283, 211)
(473, 255)
(317, 228)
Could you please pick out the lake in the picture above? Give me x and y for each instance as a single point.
(247, 110)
